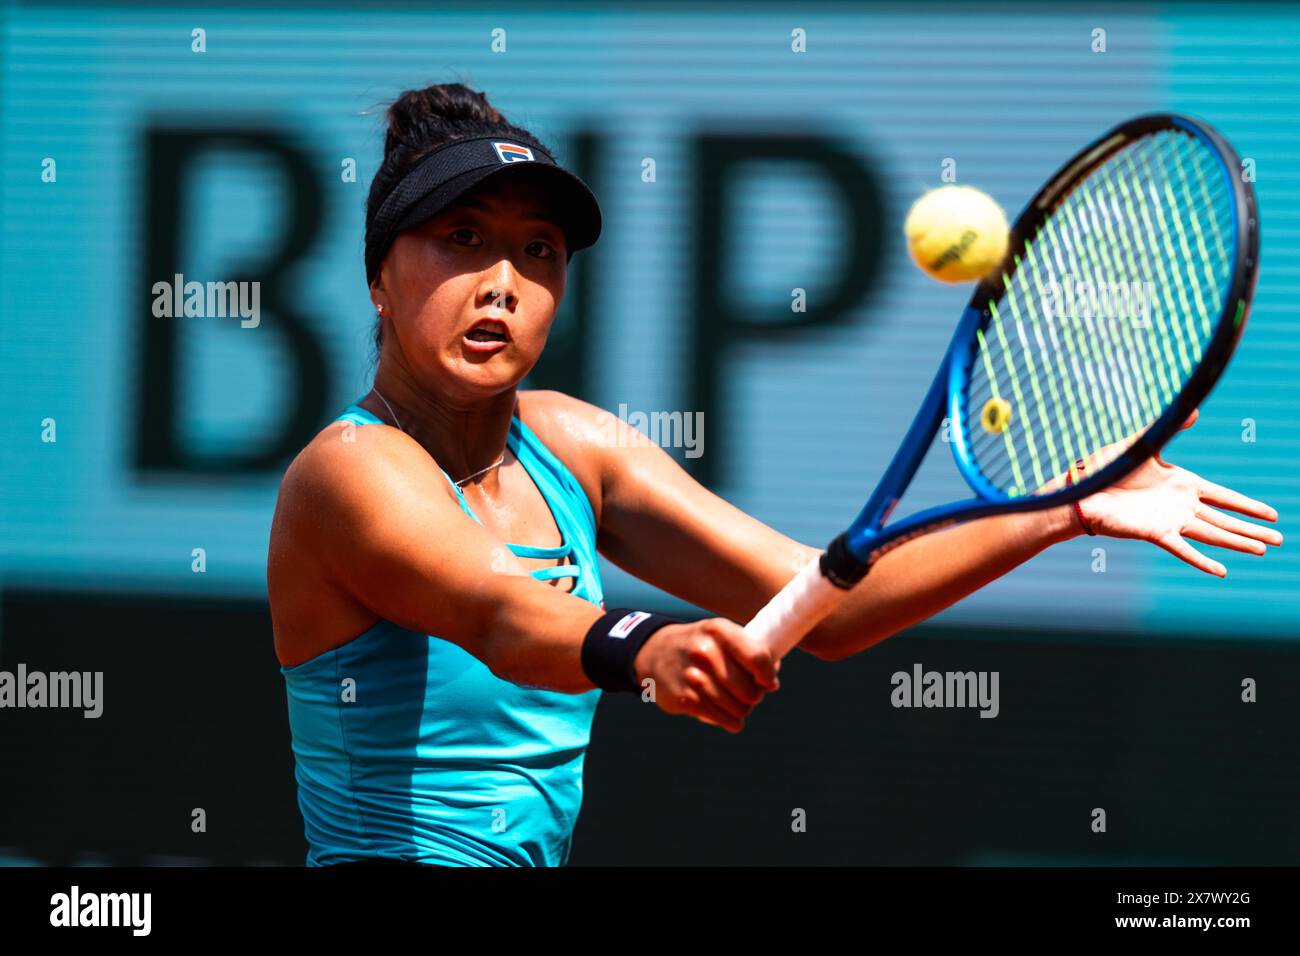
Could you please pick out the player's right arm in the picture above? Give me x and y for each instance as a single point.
(375, 517)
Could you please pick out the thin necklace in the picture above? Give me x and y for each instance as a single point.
(464, 481)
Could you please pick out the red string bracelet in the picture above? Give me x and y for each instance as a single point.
(1069, 480)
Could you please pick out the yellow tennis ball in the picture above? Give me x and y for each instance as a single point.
(995, 417)
(956, 233)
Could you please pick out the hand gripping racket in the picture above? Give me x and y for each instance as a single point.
(1122, 295)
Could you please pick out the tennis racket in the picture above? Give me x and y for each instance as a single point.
(1123, 292)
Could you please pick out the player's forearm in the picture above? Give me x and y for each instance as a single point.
(927, 574)
(532, 634)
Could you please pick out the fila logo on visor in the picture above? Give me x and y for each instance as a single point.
(625, 625)
(513, 153)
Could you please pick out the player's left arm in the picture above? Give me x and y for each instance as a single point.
(659, 524)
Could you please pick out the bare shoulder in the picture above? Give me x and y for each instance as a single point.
(550, 410)
(579, 433)
(341, 490)
(346, 473)
(346, 459)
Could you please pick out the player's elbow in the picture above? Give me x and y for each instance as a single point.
(498, 640)
(824, 647)
(838, 645)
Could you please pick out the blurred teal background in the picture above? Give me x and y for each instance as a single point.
(801, 421)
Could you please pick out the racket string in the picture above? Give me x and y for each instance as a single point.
(1142, 240)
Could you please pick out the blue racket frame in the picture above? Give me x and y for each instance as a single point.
(866, 538)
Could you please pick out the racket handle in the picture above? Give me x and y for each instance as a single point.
(796, 609)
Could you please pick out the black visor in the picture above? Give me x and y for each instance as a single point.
(452, 170)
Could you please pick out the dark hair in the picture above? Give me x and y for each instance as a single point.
(419, 121)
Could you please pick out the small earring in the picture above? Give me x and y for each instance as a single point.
(379, 309)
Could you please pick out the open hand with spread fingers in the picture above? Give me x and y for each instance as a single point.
(1168, 506)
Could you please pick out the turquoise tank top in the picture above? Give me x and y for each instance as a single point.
(407, 746)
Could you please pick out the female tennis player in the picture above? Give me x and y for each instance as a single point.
(433, 574)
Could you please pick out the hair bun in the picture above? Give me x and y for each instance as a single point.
(418, 117)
